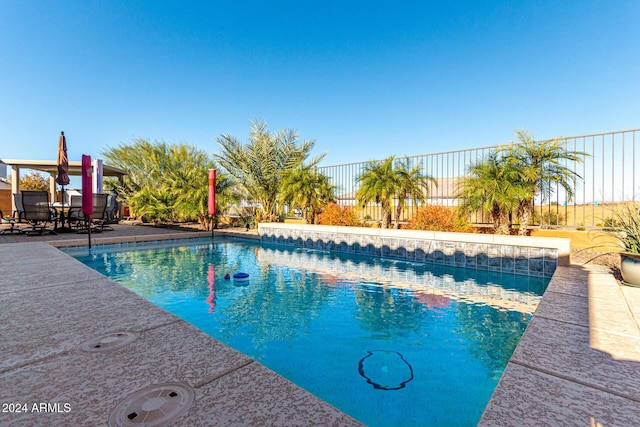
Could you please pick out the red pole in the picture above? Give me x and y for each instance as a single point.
(212, 196)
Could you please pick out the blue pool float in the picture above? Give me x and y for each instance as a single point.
(241, 277)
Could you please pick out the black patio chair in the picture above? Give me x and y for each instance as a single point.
(112, 209)
(19, 210)
(98, 218)
(38, 212)
(75, 217)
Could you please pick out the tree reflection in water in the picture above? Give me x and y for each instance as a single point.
(493, 334)
(386, 311)
(282, 302)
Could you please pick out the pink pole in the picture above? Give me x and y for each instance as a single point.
(87, 192)
(212, 196)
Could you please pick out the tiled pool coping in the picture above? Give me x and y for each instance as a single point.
(577, 364)
(507, 254)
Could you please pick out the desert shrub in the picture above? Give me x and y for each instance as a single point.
(548, 217)
(334, 214)
(438, 218)
(262, 216)
(552, 218)
(610, 224)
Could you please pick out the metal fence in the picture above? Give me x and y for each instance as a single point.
(609, 180)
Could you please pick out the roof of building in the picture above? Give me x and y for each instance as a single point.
(51, 166)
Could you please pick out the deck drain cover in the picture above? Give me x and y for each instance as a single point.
(157, 405)
(108, 342)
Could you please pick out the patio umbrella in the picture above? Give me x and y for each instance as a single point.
(212, 195)
(63, 162)
(63, 174)
(87, 194)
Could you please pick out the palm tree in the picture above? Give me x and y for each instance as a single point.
(492, 185)
(307, 189)
(412, 184)
(540, 164)
(379, 183)
(260, 165)
(191, 186)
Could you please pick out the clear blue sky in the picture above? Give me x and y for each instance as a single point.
(365, 79)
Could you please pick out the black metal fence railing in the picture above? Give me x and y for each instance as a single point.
(609, 179)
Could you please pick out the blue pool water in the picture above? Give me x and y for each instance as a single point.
(389, 342)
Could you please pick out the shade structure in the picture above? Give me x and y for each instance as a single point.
(97, 175)
(87, 193)
(87, 186)
(63, 162)
(212, 192)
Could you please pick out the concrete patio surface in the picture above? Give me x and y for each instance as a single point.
(52, 304)
(578, 362)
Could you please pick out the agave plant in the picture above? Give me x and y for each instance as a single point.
(627, 229)
(627, 235)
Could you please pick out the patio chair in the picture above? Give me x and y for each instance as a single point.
(98, 218)
(112, 209)
(75, 202)
(75, 217)
(100, 212)
(37, 211)
(11, 220)
(19, 211)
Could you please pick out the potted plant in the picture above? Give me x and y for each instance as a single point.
(626, 231)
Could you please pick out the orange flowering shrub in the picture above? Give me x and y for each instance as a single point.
(438, 218)
(334, 214)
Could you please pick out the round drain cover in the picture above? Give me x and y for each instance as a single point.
(385, 370)
(108, 342)
(156, 405)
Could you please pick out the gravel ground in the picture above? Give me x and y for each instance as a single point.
(585, 256)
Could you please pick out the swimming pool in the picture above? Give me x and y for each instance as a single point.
(388, 342)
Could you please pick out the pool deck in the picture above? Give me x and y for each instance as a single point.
(578, 362)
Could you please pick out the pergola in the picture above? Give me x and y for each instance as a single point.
(51, 167)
